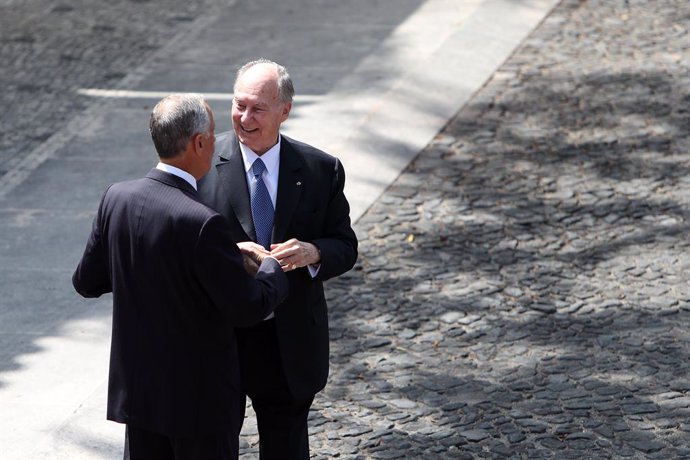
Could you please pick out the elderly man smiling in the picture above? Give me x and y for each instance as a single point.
(283, 198)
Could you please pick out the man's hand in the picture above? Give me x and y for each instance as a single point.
(295, 254)
(252, 256)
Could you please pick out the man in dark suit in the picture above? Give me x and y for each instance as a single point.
(179, 286)
(284, 359)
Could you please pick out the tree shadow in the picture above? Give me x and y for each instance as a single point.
(520, 291)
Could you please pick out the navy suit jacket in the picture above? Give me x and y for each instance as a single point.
(310, 206)
(179, 287)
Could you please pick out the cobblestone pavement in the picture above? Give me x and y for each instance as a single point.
(51, 49)
(521, 291)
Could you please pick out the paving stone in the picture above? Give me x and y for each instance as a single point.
(516, 437)
(474, 435)
(647, 447)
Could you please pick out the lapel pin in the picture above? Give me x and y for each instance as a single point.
(298, 183)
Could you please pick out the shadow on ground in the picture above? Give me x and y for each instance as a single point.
(521, 286)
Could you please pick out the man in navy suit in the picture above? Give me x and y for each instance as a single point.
(284, 359)
(179, 286)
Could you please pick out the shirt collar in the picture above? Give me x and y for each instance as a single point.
(271, 158)
(177, 172)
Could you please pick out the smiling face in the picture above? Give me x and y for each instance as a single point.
(257, 111)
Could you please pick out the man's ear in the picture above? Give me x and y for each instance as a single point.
(198, 143)
(286, 110)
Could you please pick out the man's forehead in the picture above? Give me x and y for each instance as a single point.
(257, 84)
(256, 98)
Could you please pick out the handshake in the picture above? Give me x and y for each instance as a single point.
(291, 254)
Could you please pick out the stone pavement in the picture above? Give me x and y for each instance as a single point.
(51, 49)
(522, 290)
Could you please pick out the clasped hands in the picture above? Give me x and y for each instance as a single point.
(291, 254)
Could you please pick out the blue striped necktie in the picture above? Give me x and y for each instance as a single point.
(262, 206)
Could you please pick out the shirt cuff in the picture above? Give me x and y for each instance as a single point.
(314, 269)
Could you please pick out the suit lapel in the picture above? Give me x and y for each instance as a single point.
(233, 178)
(290, 182)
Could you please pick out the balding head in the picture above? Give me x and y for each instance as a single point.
(269, 69)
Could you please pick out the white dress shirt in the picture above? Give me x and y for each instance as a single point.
(177, 172)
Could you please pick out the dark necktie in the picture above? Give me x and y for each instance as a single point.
(262, 207)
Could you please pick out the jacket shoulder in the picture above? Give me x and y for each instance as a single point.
(309, 153)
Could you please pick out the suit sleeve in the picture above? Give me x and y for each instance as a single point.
(338, 245)
(92, 276)
(243, 299)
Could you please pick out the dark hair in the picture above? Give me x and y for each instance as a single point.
(175, 120)
(286, 90)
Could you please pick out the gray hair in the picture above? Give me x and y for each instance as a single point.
(175, 120)
(286, 89)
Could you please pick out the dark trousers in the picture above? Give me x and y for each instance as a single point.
(281, 419)
(143, 444)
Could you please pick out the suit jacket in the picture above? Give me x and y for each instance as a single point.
(178, 285)
(310, 206)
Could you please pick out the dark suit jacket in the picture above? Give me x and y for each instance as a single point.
(311, 207)
(178, 285)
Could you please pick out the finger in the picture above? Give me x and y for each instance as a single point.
(250, 246)
(283, 245)
(292, 262)
(283, 253)
(292, 242)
